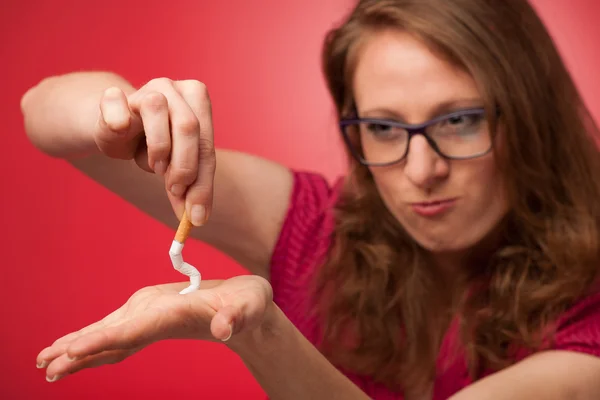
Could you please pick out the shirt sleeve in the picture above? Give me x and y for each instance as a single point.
(302, 244)
(579, 328)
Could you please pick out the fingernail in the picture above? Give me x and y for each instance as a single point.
(112, 93)
(73, 358)
(198, 215)
(42, 364)
(53, 378)
(230, 333)
(160, 167)
(177, 190)
(115, 116)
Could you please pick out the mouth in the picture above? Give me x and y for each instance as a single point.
(433, 208)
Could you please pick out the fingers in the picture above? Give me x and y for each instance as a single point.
(61, 345)
(154, 111)
(134, 333)
(49, 354)
(172, 133)
(177, 121)
(93, 348)
(101, 336)
(200, 194)
(63, 365)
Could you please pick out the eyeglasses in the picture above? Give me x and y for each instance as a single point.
(380, 142)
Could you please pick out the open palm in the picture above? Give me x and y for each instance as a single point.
(214, 312)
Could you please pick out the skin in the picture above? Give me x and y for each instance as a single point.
(69, 117)
(398, 77)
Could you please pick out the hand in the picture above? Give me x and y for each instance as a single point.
(166, 126)
(217, 311)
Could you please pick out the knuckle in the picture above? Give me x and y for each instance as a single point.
(154, 101)
(201, 189)
(206, 149)
(188, 125)
(197, 90)
(196, 87)
(158, 149)
(162, 81)
(261, 281)
(184, 174)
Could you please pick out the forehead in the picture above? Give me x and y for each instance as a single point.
(397, 74)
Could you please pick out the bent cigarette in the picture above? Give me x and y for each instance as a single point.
(175, 253)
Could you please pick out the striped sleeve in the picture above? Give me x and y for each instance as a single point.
(302, 243)
(579, 328)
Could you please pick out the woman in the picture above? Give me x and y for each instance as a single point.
(458, 259)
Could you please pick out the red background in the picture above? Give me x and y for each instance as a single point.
(260, 60)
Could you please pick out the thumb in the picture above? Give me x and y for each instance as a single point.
(246, 313)
(223, 323)
(120, 130)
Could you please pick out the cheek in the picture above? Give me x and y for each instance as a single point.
(485, 188)
(484, 203)
(389, 183)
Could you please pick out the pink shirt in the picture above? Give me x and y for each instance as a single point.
(301, 248)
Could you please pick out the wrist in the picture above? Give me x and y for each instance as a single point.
(263, 338)
(61, 113)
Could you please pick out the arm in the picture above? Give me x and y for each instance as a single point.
(570, 370)
(288, 366)
(250, 193)
(551, 375)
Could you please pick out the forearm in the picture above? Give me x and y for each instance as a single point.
(60, 112)
(288, 366)
(548, 375)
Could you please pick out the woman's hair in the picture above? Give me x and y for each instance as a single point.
(386, 316)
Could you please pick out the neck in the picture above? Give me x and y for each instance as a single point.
(448, 267)
(453, 267)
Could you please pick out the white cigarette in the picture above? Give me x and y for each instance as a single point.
(175, 254)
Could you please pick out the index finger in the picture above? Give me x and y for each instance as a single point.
(199, 196)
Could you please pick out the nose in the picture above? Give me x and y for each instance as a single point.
(424, 167)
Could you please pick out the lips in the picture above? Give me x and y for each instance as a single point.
(433, 208)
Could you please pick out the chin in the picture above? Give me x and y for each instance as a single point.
(457, 247)
(443, 246)
(443, 242)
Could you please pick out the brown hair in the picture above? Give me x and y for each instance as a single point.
(550, 162)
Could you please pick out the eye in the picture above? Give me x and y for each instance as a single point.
(460, 124)
(382, 131)
(378, 129)
(465, 120)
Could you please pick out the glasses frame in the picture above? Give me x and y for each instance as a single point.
(412, 130)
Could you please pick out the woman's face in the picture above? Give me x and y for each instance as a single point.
(447, 206)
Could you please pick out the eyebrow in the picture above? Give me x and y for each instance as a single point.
(445, 107)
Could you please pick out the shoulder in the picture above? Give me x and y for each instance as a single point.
(307, 226)
(567, 368)
(304, 238)
(578, 328)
